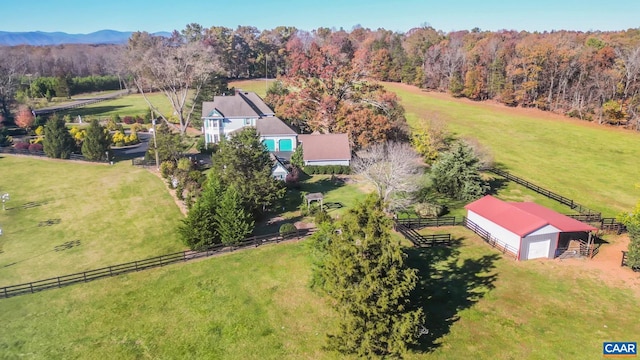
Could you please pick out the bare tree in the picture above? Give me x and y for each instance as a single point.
(393, 169)
(12, 67)
(177, 68)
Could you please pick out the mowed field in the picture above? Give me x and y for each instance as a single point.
(594, 165)
(256, 304)
(65, 217)
(130, 105)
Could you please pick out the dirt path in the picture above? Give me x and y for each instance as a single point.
(605, 266)
(172, 192)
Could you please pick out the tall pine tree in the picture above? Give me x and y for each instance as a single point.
(200, 229)
(243, 162)
(96, 142)
(457, 174)
(364, 271)
(233, 221)
(58, 142)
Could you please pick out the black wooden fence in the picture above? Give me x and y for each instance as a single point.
(419, 223)
(79, 103)
(625, 259)
(504, 248)
(420, 240)
(133, 266)
(612, 224)
(595, 216)
(13, 151)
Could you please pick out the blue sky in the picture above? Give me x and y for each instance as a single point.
(84, 16)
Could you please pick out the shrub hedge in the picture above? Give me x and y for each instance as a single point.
(327, 169)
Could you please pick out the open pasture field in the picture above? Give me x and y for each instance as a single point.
(596, 166)
(129, 105)
(256, 304)
(65, 217)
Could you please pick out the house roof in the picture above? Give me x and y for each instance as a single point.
(239, 105)
(524, 218)
(259, 104)
(273, 126)
(317, 147)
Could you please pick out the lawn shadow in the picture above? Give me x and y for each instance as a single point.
(272, 225)
(496, 184)
(446, 286)
(294, 198)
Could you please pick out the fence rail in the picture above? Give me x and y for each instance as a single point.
(419, 223)
(420, 240)
(550, 194)
(612, 224)
(26, 152)
(79, 103)
(138, 265)
(504, 248)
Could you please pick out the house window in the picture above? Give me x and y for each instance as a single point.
(247, 122)
(214, 123)
(215, 138)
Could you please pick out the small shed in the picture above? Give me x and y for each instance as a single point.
(532, 231)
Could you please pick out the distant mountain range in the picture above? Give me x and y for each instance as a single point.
(58, 38)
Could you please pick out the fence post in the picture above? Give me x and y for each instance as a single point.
(58, 281)
(84, 274)
(622, 261)
(5, 292)
(31, 286)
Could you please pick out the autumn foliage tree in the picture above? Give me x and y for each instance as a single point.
(24, 118)
(327, 91)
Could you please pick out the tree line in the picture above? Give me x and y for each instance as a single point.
(589, 75)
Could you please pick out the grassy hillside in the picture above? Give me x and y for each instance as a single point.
(255, 304)
(595, 165)
(65, 217)
(130, 105)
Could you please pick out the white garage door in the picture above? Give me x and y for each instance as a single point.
(539, 249)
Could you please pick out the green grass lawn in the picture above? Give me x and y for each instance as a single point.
(104, 214)
(594, 165)
(130, 105)
(255, 304)
(339, 196)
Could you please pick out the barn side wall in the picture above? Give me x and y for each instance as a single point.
(495, 230)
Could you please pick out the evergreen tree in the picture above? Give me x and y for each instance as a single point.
(233, 222)
(244, 163)
(58, 142)
(170, 145)
(632, 222)
(199, 229)
(297, 158)
(96, 142)
(457, 174)
(364, 271)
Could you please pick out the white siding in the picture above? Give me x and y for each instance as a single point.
(328, 162)
(497, 231)
(279, 172)
(546, 235)
(230, 125)
(211, 130)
